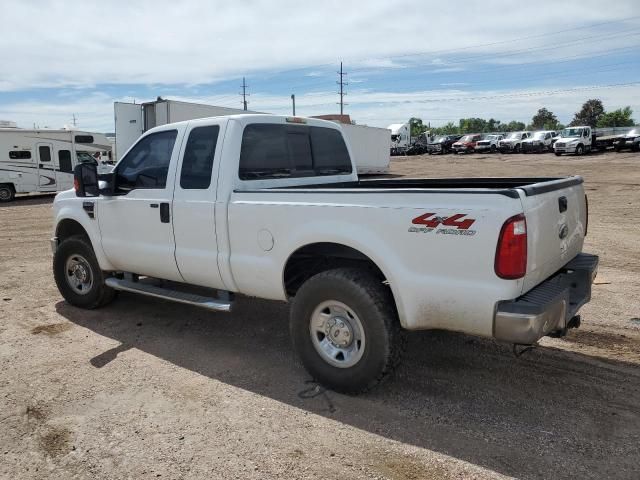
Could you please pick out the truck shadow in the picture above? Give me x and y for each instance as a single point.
(29, 200)
(546, 414)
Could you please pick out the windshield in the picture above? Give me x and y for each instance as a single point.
(572, 132)
(514, 136)
(635, 131)
(85, 157)
(439, 138)
(539, 135)
(466, 138)
(491, 137)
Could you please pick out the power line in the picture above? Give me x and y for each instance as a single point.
(342, 84)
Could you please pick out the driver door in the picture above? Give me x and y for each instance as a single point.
(136, 222)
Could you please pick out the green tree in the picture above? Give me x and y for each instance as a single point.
(417, 127)
(448, 129)
(472, 125)
(618, 118)
(514, 126)
(589, 114)
(544, 120)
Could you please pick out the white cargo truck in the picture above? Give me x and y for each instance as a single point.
(400, 138)
(370, 148)
(133, 119)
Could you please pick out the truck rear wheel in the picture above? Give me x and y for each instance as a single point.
(345, 329)
(78, 275)
(7, 192)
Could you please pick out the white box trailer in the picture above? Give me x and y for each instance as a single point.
(42, 160)
(370, 147)
(133, 119)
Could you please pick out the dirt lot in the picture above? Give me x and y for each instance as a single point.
(149, 389)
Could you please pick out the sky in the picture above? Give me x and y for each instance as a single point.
(439, 61)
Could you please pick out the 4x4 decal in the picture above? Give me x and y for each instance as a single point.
(452, 225)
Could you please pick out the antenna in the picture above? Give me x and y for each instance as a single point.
(342, 84)
(244, 94)
(74, 119)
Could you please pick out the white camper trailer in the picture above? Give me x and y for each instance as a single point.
(43, 160)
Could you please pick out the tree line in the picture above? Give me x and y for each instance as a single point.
(592, 113)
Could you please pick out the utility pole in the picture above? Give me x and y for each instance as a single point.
(244, 94)
(74, 118)
(293, 101)
(342, 84)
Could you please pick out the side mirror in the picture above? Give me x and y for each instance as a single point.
(85, 180)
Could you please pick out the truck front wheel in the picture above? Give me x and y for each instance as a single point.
(345, 329)
(579, 150)
(78, 275)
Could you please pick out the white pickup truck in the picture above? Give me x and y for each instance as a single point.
(272, 207)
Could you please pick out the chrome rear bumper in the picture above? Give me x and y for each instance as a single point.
(550, 306)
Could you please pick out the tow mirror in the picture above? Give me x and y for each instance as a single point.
(85, 180)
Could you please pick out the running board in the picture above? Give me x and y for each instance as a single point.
(210, 303)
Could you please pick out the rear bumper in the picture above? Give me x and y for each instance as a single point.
(548, 307)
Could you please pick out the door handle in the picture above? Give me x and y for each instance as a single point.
(164, 213)
(153, 205)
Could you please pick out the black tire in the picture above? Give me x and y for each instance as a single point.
(517, 148)
(98, 294)
(372, 303)
(493, 149)
(557, 154)
(579, 149)
(7, 192)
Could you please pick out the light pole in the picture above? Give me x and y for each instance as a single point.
(293, 101)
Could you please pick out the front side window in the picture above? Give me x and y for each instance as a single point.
(277, 151)
(147, 163)
(197, 163)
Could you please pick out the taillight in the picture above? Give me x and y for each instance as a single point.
(511, 254)
(586, 220)
(76, 184)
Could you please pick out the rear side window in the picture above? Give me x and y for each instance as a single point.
(197, 163)
(147, 163)
(19, 154)
(84, 138)
(277, 151)
(64, 160)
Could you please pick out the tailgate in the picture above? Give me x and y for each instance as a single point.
(556, 215)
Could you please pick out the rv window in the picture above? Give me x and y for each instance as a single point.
(147, 163)
(84, 139)
(64, 160)
(19, 154)
(197, 163)
(45, 153)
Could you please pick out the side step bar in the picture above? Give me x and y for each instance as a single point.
(210, 303)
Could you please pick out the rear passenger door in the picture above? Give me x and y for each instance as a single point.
(194, 200)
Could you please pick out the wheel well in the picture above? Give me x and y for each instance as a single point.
(67, 228)
(10, 185)
(312, 259)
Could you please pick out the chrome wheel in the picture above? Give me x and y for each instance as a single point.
(78, 274)
(337, 334)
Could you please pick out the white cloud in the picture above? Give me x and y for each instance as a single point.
(79, 43)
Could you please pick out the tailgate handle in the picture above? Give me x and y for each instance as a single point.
(562, 204)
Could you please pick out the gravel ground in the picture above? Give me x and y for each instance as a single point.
(149, 389)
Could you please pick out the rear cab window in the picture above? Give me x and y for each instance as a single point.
(284, 151)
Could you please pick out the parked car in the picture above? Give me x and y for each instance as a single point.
(466, 144)
(489, 257)
(513, 142)
(541, 141)
(489, 143)
(419, 145)
(442, 144)
(630, 140)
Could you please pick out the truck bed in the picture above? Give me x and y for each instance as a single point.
(483, 185)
